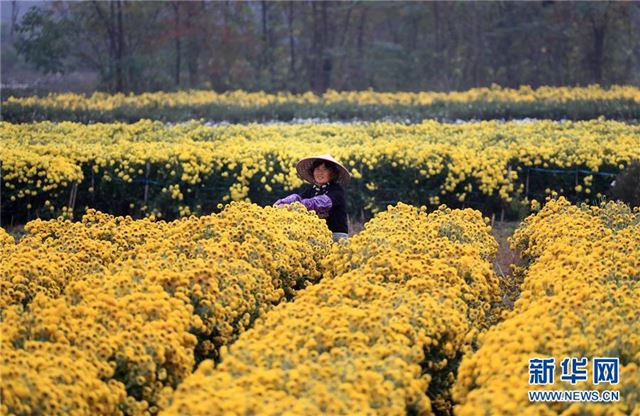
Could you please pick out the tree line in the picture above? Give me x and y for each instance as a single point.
(348, 45)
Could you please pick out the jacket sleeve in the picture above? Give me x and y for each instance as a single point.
(288, 200)
(321, 204)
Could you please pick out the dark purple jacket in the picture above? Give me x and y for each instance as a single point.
(327, 201)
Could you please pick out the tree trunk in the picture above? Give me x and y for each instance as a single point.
(264, 55)
(359, 64)
(193, 45)
(598, 52)
(342, 61)
(327, 62)
(316, 50)
(176, 10)
(113, 57)
(293, 76)
(120, 49)
(14, 19)
(599, 30)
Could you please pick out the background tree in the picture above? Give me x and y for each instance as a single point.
(346, 45)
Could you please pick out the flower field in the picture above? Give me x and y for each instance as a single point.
(383, 334)
(109, 314)
(149, 169)
(229, 313)
(154, 276)
(117, 312)
(580, 297)
(576, 103)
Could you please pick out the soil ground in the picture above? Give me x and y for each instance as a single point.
(505, 257)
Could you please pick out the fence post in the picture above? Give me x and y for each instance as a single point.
(146, 182)
(0, 193)
(502, 202)
(93, 186)
(72, 196)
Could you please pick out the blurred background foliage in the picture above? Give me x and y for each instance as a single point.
(129, 46)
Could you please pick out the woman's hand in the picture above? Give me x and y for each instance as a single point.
(287, 200)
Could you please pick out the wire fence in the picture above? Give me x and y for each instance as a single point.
(383, 196)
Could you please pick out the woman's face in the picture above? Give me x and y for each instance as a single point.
(321, 175)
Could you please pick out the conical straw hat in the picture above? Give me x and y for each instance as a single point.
(303, 167)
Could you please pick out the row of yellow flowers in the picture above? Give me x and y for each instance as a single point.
(241, 105)
(108, 315)
(580, 297)
(382, 333)
(148, 168)
(99, 101)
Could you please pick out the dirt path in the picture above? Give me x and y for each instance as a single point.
(506, 257)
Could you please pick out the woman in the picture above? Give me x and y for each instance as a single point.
(325, 196)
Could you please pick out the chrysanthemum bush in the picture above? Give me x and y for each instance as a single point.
(398, 323)
(580, 297)
(147, 302)
(382, 332)
(405, 230)
(478, 103)
(150, 169)
(132, 333)
(44, 378)
(6, 240)
(55, 252)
